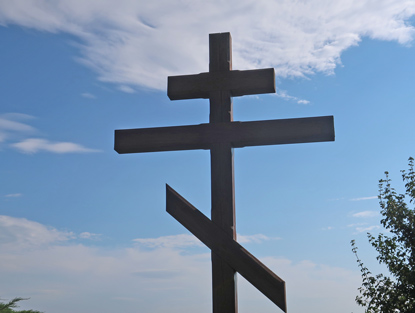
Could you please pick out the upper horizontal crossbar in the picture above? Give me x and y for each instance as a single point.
(239, 83)
(238, 134)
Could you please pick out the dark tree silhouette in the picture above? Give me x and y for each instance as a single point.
(395, 292)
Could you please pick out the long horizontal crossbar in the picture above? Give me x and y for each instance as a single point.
(239, 134)
(228, 249)
(239, 83)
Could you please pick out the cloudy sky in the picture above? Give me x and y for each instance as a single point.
(83, 229)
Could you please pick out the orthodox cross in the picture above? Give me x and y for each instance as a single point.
(220, 136)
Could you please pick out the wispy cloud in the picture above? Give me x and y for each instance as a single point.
(20, 232)
(335, 199)
(88, 95)
(34, 145)
(173, 241)
(257, 238)
(354, 199)
(364, 198)
(188, 240)
(91, 236)
(367, 229)
(14, 132)
(11, 126)
(111, 279)
(356, 224)
(126, 89)
(365, 214)
(13, 195)
(284, 95)
(132, 44)
(363, 227)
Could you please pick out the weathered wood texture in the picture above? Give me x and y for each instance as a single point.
(228, 249)
(237, 134)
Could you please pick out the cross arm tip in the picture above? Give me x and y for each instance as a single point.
(168, 188)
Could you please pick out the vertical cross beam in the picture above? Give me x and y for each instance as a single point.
(222, 177)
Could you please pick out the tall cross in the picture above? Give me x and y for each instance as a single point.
(220, 136)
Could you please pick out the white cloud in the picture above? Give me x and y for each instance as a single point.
(366, 214)
(88, 235)
(139, 43)
(88, 95)
(12, 129)
(11, 125)
(187, 240)
(34, 145)
(356, 224)
(173, 241)
(311, 287)
(335, 199)
(257, 238)
(13, 195)
(364, 198)
(20, 232)
(367, 229)
(42, 263)
(362, 227)
(13, 116)
(126, 89)
(284, 95)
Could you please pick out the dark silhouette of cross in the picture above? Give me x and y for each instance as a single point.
(220, 136)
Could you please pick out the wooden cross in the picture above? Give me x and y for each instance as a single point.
(220, 136)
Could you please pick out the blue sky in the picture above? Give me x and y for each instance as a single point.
(83, 229)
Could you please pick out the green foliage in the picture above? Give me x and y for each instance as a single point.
(9, 307)
(394, 293)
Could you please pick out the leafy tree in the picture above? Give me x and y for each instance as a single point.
(394, 293)
(9, 307)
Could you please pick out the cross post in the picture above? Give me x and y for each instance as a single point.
(221, 135)
(222, 178)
